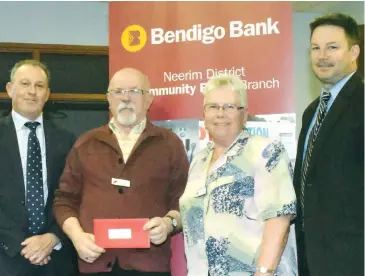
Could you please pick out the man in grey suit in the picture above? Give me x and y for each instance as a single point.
(33, 153)
(329, 170)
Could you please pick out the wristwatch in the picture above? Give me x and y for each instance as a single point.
(173, 222)
(263, 269)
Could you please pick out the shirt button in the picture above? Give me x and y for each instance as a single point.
(109, 264)
(120, 161)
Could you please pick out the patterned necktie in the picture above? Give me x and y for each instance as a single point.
(34, 198)
(312, 138)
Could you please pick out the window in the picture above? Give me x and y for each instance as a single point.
(78, 73)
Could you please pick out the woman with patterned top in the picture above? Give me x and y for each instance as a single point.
(239, 200)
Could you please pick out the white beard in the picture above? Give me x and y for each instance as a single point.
(126, 120)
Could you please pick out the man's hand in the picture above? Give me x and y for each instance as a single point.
(38, 248)
(86, 247)
(159, 229)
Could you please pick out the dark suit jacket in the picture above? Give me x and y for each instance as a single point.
(13, 214)
(333, 240)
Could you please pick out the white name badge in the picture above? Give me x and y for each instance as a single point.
(121, 182)
(201, 192)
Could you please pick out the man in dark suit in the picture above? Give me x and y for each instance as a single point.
(33, 154)
(329, 170)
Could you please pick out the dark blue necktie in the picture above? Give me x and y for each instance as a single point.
(34, 198)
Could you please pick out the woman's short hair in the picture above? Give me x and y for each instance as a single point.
(227, 81)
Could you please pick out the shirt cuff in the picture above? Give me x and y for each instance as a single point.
(58, 246)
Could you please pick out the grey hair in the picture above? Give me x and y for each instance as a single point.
(227, 81)
(33, 62)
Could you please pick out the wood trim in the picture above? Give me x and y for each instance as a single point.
(77, 97)
(36, 55)
(4, 96)
(6, 49)
(67, 97)
(54, 48)
(38, 49)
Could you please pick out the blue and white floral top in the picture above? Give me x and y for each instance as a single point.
(224, 209)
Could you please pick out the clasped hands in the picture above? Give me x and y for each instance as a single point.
(37, 249)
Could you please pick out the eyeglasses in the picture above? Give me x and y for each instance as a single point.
(131, 92)
(228, 108)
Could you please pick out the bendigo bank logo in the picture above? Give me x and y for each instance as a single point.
(134, 38)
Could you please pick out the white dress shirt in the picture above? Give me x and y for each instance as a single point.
(22, 133)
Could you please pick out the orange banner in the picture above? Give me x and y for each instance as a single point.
(180, 45)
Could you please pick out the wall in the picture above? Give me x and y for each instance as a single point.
(75, 23)
(306, 85)
(353, 8)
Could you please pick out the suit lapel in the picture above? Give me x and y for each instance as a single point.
(51, 142)
(9, 138)
(307, 118)
(337, 109)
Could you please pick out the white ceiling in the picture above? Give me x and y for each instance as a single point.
(326, 6)
(313, 6)
(352, 8)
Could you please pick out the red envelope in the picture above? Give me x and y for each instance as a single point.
(121, 233)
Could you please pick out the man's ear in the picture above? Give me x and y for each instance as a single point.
(355, 52)
(9, 89)
(48, 93)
